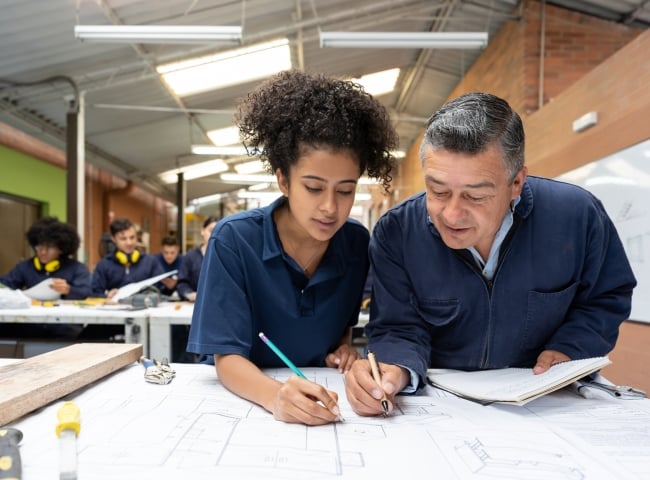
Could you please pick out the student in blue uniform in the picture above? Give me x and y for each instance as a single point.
(55, 243)
(295, 269)
(188, 276)
(188, 281)
(126, 265)
(170, 259)
(488, 267)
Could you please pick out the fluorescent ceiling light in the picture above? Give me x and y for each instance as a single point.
(253, 166)
(404, 39)
(212, 150)
(227, 68)
(259, 186)
(157, 34)
(198, 170)
(207, 199)
(247, 178)
(222, 137)
(398, 153)
(380, 82)
(258, 195)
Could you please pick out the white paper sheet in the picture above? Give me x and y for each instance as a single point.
(131, 288)
(42, 291)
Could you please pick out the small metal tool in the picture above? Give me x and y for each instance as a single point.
(624, 392)
(157, 372)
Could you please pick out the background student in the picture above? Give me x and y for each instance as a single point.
(188, 276)
(188, 281)
(55, 244)
(296, 268)
(125, 265)
(170, 259)
(488, 268)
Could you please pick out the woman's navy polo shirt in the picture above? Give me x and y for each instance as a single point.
(248, 284)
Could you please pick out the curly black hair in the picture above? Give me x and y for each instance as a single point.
(50, 231)
(293, 110)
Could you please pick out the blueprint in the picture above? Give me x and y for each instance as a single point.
(194, 429)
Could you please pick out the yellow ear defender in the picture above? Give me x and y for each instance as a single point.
(125, 259)
(51, 266)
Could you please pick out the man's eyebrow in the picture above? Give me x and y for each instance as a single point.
(484, 184)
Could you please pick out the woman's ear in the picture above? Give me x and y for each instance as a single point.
(283, 182)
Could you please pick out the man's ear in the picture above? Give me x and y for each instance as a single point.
(518, 182)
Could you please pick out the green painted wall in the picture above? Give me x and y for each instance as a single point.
(28, 177)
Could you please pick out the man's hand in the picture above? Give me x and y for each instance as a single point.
(547, 359)
(342, 358)
(363, 392)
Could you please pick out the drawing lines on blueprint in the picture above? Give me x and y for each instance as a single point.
(621, 430)
(529, 463)
(207, 433)
(489, 455)
(195, 429)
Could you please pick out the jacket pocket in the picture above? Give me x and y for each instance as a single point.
(546, 312)
(437, 312)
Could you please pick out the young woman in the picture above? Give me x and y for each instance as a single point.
(54, 243)
(295, 269)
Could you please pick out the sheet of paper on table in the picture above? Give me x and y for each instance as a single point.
(42, 291)
(135, 287)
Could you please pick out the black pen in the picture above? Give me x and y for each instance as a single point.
(377, 376)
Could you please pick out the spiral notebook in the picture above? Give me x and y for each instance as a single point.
(515, 386)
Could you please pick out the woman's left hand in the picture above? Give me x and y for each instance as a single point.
(342, 358)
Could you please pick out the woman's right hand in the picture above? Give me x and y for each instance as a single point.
(302, 401)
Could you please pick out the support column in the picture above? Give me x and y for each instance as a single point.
(75, 166)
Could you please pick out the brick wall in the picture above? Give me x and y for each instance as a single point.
(617, 90)
(573, 46)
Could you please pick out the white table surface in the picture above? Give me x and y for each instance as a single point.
(136, 322)
(195, 429)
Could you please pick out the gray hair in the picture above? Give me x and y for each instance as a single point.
(471, 123)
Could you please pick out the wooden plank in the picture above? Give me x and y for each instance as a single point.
(34, 382)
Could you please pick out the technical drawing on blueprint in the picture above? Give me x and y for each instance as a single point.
(194, 428)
